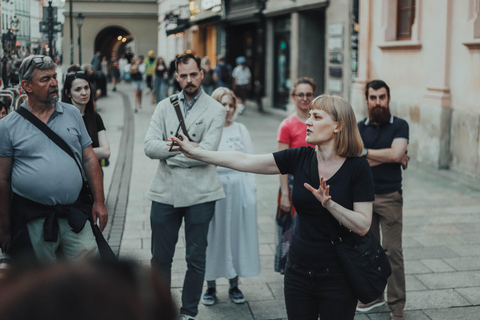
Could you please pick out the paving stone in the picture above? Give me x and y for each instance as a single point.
(454, 314)
(451, 280)
(464, 263)
(274, 309)
(466, 250)
(432, 252)
(416, 267)
(438, 265)
(413, 284)
(435, 299)
(471, 294)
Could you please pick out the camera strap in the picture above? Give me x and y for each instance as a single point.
(174, 101)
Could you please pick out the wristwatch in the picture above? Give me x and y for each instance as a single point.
(365, 152)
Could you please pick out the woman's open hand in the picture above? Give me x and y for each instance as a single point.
(182, 144)
(322, 193)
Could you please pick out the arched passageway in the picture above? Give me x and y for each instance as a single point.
(113, 39)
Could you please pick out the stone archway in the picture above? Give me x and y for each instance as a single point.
(113, 39)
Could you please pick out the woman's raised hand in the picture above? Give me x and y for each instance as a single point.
(322, 193)
(181, 143)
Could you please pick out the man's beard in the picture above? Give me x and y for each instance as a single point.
(52, 99)
(379, 115)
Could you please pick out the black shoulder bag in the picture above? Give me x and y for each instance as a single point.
(364, 261)
(85, 195)
(174, 101)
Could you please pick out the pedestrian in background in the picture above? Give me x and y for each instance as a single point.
(149, 72)
(386, 140)
(208, 84)
(333, 188)
(122, 64)
(114, 70)
(137, 72)
(222, 73)
(96, 61)
(3, 110)
(77, 90)
(174, 85)
(291, 134)
(232, 250)
(241, 83)
(39, 180)
(160, 79)
(104, 67)
(184, 189)
(5, 71)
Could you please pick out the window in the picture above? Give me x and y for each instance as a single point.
(405, 19)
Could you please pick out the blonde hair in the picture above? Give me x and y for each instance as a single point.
(218, 94)
(348, 141)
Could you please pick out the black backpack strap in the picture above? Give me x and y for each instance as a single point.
(49, 133)
(174, 101)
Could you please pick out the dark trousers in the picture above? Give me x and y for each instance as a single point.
(312, 293)
(166, 221)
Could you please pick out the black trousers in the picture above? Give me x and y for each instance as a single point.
(312, 293)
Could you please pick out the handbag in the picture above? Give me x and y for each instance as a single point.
(363, 260)
(86, 195)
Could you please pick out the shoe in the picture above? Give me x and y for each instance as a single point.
(364, 307)
(186, 317)
(209, 297)
(398, 316)
(236, 295)
(136, 110)
(114, 89)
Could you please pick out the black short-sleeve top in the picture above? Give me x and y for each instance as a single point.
(311, 244)
(100, 127)
(387, 176)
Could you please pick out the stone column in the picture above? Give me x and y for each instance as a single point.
(435, 112)
(357, 98)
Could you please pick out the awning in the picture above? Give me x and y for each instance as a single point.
(182, 25)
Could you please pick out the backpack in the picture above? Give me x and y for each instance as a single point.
(225, 75)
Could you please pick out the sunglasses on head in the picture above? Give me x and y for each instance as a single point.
(38, 61)
(74, 74)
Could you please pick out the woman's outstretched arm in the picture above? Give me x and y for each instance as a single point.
(258, 163)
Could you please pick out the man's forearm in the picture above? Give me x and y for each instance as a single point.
(5, 196)
(94, 177)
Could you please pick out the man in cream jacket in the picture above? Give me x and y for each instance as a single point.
(183, 188)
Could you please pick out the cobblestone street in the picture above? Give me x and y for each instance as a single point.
(441, 234)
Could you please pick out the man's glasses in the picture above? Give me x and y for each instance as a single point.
(38, 61)
(74, 74)
(301, 95)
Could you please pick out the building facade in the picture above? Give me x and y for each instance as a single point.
(428, 52)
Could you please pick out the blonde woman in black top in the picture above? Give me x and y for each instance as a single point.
(340, 193)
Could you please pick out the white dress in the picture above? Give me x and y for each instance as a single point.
(232, 236)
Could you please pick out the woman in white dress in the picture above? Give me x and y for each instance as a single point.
(232, 250)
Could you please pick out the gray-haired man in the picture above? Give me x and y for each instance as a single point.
(44, 212)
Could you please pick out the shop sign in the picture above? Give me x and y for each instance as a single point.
(204, 9)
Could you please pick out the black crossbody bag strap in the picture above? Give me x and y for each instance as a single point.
(174, 101)
(49, 133)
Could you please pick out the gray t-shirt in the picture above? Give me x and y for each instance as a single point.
(41, 171)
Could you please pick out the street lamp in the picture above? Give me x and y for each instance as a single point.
(79, 19)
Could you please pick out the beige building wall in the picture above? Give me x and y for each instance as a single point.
(434, 77)
(139, 18)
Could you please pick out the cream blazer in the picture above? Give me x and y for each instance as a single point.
(180, 181)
